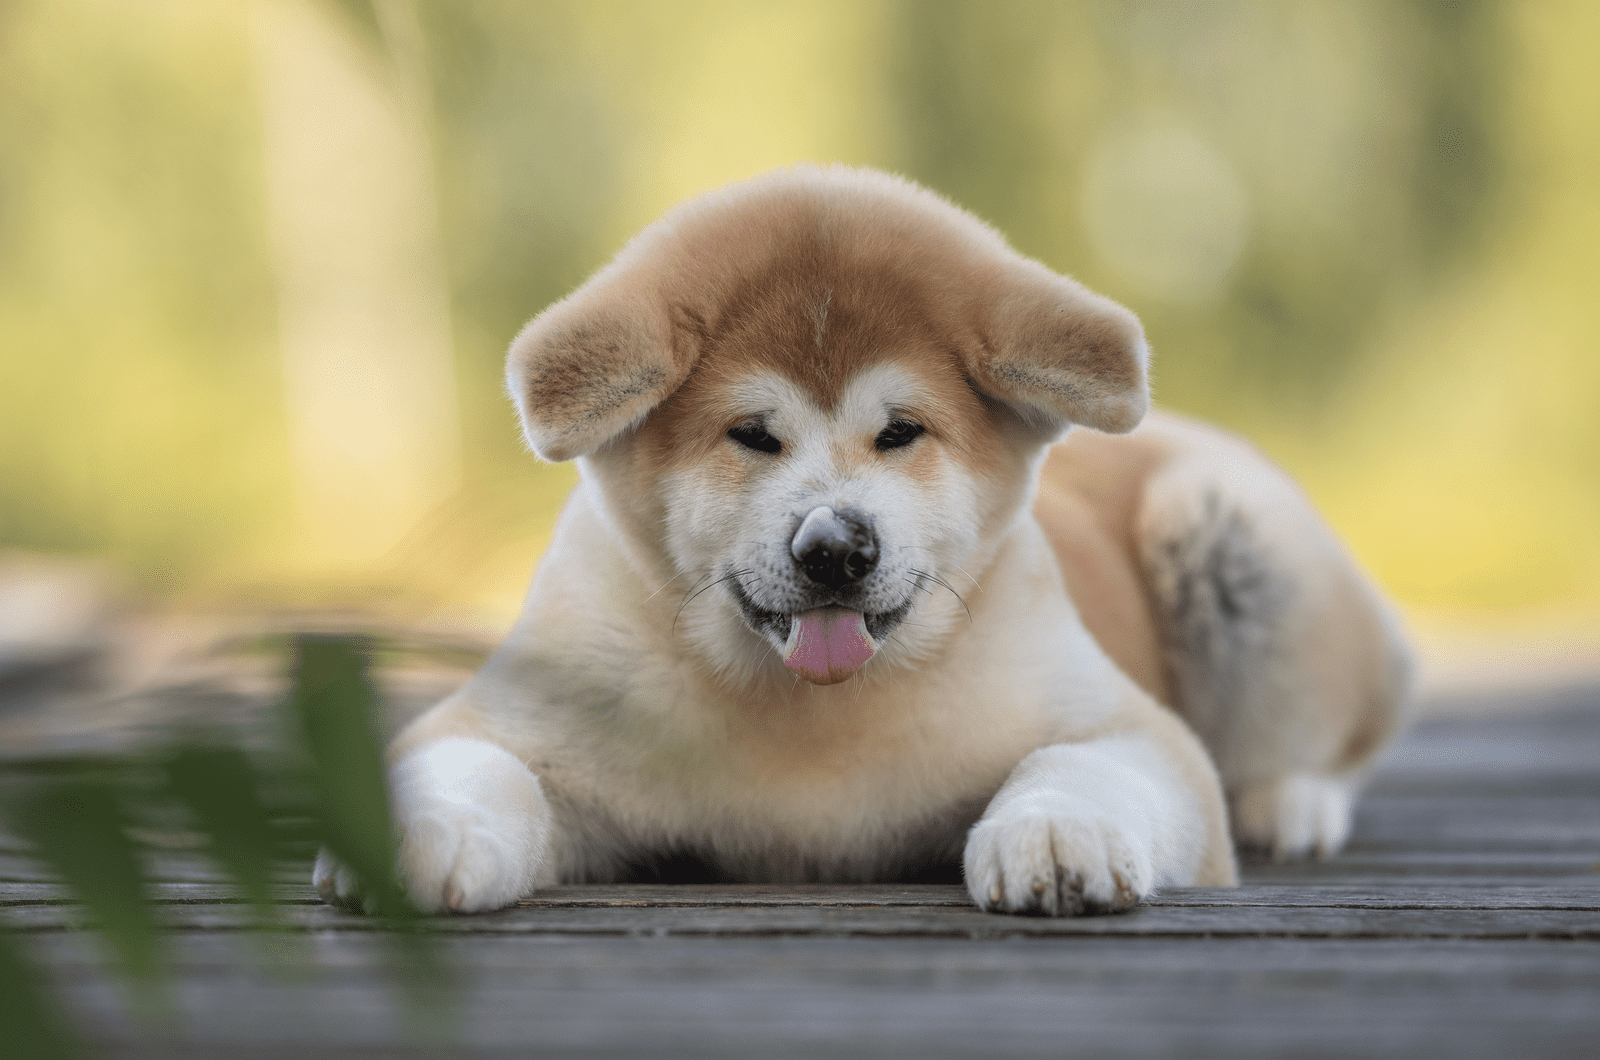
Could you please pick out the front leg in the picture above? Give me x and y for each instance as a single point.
(1094, 827)
(474, 829)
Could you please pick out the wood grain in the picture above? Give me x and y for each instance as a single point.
(1463, 920)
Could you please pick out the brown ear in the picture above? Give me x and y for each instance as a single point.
(1058, 353)
(593, 366)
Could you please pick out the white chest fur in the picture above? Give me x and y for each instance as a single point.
(639, 750)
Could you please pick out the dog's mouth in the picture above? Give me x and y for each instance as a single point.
(825, 644)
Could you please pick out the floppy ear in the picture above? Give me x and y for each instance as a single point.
(1058, 353)
(593, 366)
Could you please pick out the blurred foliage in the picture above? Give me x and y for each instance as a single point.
(346, 786)
(1359, 133)
(35, 1027)
(90, 821)
(1362, 233)
(76, 823)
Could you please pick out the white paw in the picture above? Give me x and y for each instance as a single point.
(460, 857)
(1295, 816)
(336, 884)
(474, 830)
(1056, 857)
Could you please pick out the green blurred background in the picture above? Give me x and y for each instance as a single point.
(259, 262)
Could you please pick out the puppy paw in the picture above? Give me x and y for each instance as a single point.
(1295, 816)
(474, 826)
(464, 858)
(1046, 860)
(336, 884)
(474, 830)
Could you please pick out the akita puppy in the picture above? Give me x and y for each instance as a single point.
(836, 600)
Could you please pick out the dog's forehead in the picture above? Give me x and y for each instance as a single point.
(870, 395)
(819, 315)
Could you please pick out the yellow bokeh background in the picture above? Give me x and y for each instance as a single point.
(259, 261)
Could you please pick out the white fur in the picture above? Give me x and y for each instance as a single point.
(634, 713)
(1296, 815)
(1276, 705)
(711, 530)
(805, 782)
(1093, 826)
(474, 829)
(666, 724)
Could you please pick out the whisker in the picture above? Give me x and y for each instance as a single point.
(698, 580)
(726, 577)
(957, 566)
(669, 581)
(940, 581)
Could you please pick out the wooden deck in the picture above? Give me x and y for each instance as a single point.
(1462, 921)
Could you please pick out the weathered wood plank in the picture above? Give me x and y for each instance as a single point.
(1477, 823)
(1399, 865)
(1462, 921)
(1196, 921)
(877, 998)
(667, 895)
(1555, 750)
(359, 954)
(47, 893)
(1581, 895)
(175, 867)
(1428, 843)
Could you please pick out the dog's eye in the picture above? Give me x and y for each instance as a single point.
(898, 433)
(754, 436)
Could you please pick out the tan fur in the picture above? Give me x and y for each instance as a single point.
(890, 259)
(640, 709)
(1088, 497)
(1348, 665)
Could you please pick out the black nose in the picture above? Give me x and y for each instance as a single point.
(834, 550)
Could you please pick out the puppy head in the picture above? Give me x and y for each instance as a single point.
(822, 393)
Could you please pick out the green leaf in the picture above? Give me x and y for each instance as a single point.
(336, 706)
(34, 1027)
(221, 790)
(76, 825)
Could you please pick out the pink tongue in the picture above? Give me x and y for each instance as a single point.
(827, 645)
